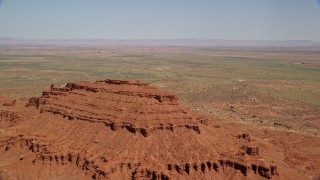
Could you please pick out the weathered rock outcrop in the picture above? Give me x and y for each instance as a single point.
(9, 103)
(130, 105)
(127, 130)
(8, 119)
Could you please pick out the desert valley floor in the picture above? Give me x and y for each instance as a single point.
(159, 112)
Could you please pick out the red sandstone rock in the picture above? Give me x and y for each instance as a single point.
(9, 103)
(122, 130)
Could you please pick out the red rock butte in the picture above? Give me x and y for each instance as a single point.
(116, 129)
(130, 105)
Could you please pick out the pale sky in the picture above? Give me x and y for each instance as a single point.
(161, 19)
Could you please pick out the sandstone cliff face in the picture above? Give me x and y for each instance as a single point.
(126, 130)
(130, 105)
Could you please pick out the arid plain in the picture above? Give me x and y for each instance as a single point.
(271, 93)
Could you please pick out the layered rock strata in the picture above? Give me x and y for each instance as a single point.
(125, 130)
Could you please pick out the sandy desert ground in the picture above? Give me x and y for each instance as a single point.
(271, 95)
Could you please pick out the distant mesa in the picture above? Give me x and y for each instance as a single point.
(117, 129)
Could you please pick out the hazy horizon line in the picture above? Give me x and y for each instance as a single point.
(137, 39)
